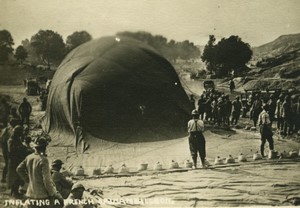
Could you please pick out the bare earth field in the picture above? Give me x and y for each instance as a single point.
(253, 183)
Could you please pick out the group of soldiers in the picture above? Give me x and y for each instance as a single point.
(283, 108)
(217, 108)
(27, 170)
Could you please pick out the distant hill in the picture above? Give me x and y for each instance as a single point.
(278, 59)
(281, 45)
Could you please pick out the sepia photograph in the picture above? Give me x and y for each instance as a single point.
(149, 103)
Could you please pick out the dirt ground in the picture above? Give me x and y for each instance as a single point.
(253, 183)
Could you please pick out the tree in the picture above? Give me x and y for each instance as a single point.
(76, 39)
(232, 54)
(33, 57)
(49, 46)
(228, 55)
(21, 54)
(209, 56)
(6, 43)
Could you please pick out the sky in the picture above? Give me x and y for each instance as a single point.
(255, 21)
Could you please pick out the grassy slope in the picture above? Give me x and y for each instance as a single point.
(14, 75)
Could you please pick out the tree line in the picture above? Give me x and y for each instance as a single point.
(171, 50)
(45, 47)
(224, 58)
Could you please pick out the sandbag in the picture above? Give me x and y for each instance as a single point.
(219, 161)
(188, 164)
(230, 160)
(79, 171)
(242, 158)
(174, 165)
(97, 171)
(109, 169)
(123, 169)
(142, 167)
(257, 156)
(158, 166)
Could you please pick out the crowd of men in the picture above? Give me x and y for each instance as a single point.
(26, 166)
(217, 108)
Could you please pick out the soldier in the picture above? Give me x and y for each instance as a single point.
(256, 108)
(208, 109)
(278, 114)
(6, 134)
(192, 100)
(287, 115)
(196, 139)
(25, 111)
(201, 106)
(221, 110)
(236, 110)
(265, 130)
(231, 85)
(228, 109)
(4, 112)
(271, 108)
(16, 153)
(214, 109)
(296, 114)
(35, 171)
(63, 185)
(13, 115)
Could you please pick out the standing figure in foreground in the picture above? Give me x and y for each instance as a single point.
(5, 136)
(196, 139)
(265, 130)
(35, 171)
(16, 153)
(25, 111)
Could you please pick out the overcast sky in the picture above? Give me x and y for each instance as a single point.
(255, 21)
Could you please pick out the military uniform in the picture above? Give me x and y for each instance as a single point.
(265, 131)
(196, 140)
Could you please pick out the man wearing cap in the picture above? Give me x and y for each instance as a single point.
(63, 185)
(265, 130)
(236, 110)
(196, 139)
(35, 171)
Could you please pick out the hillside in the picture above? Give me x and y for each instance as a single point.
(279, 59)
(283, 44)
(15, 74)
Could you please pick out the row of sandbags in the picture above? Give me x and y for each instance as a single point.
(123, 169)
(256, 156)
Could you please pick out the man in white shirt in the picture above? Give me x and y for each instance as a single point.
(265, 130)
(196, 139)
